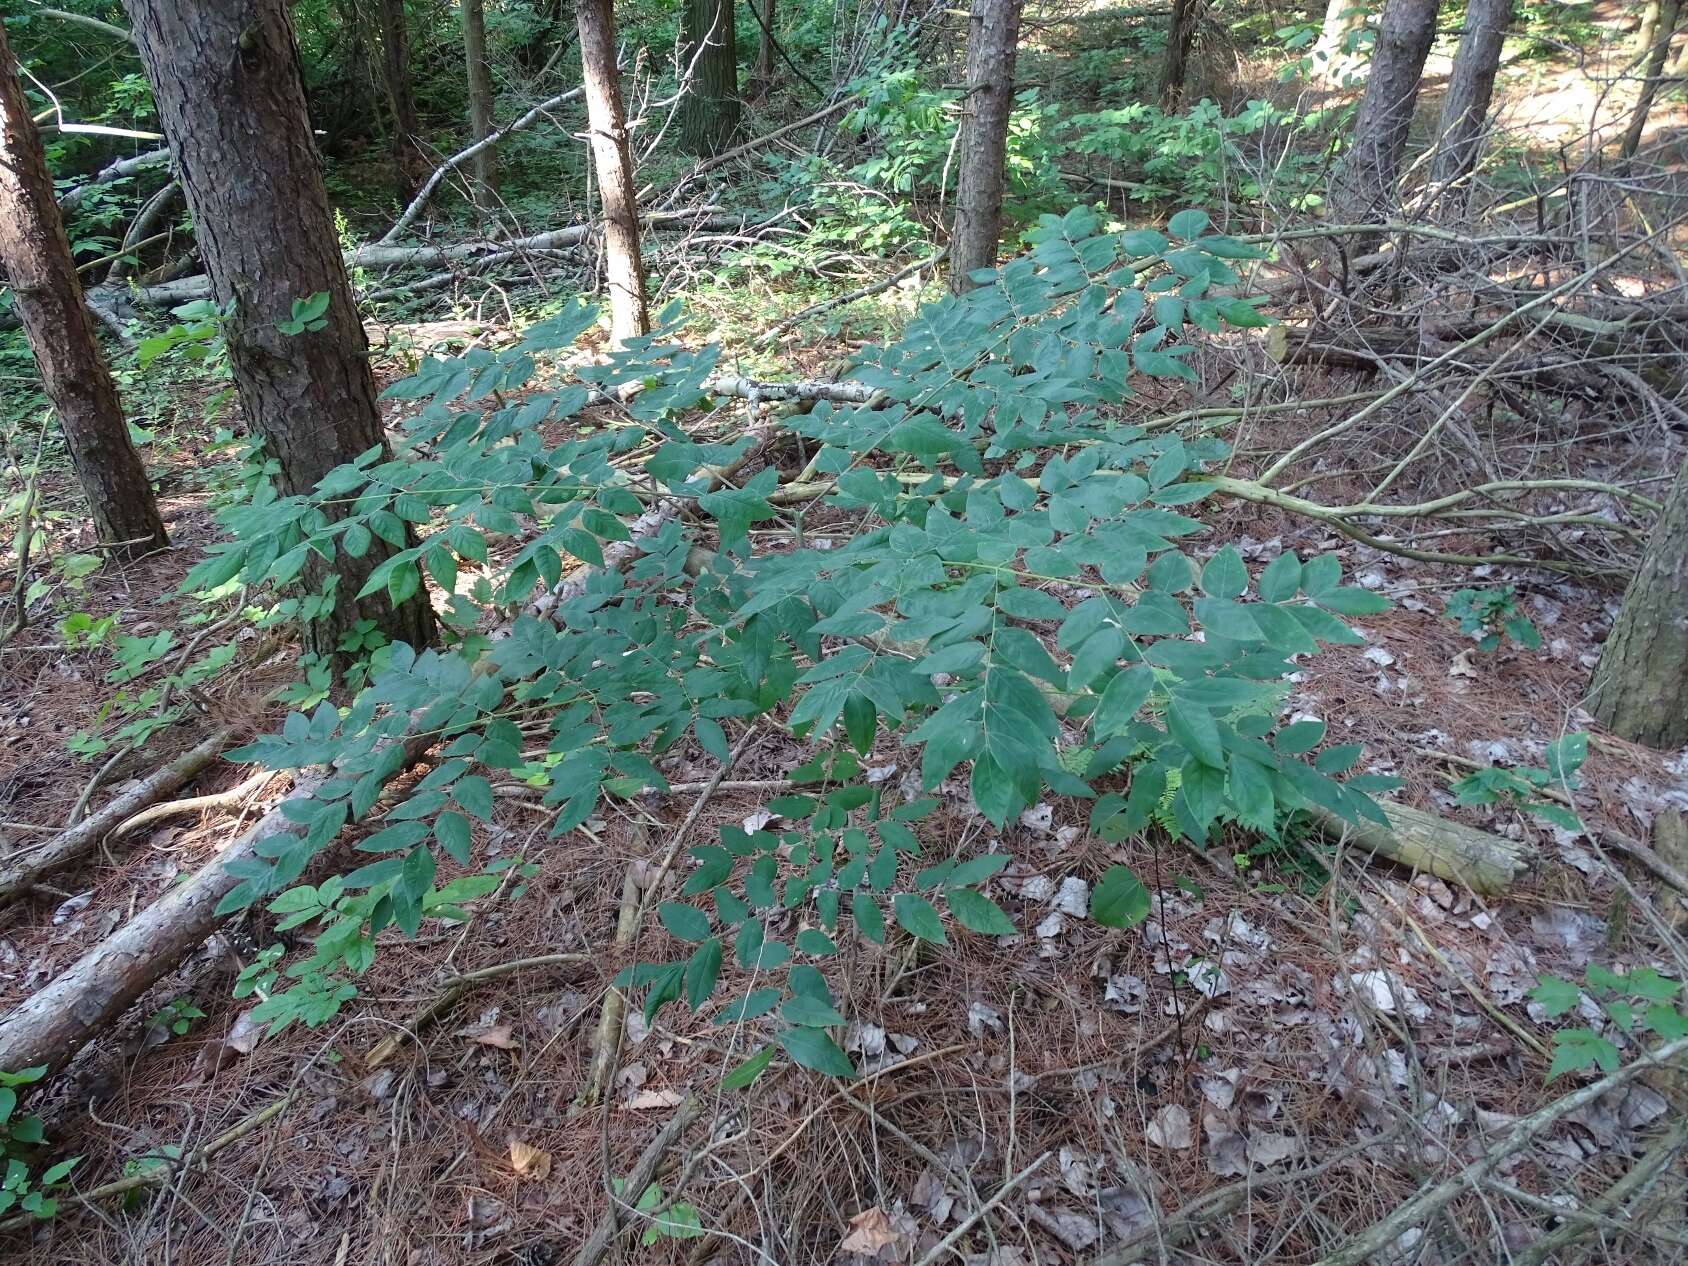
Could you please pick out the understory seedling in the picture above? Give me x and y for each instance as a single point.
(1641, 1001)
(1006, 590)
(1525, 787)
(21, 1137)
(1492, 613)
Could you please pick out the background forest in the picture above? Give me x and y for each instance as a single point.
(849, 632)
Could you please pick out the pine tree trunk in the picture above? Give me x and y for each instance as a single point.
(35, 258)
(1180, 35)
(1465, 109)
(993, 40)
(1658, 54)
(1365, 187)
(225, 76)
(765, 48)
(709, 110)
(1640, 689)
(623, 269)
(410, 164)
(484, 166)
(1332, 59)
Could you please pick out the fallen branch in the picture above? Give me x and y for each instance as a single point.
(606, 1045)
(151, 1173)
(420, 201)
(26, 867)
(230, 799)
(1483, 862)
(51, 1025)
(644, 1170)
(72, 198)
(849, 297)
(1375, 1241)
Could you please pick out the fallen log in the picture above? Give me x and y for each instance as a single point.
(50, 1026)
(53, 1025)
(72, 198)
(481, 250)
(29, 865)
(1483, 862)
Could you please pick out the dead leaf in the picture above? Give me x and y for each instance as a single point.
(501, 1036)
(1170, 1128)
(646, 1100)
(529, 1161)
(1462, 665)
(870, 1231)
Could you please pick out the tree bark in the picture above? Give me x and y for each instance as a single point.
(1365, 187)
(484, 165)
(1465, 109)
(410, 164)
(1641, 681)
(765, 48)
(709, 108)
(993, 39)
(35, 256)
(1649, 28)
(1333, 60)
(1180, 36)
(1665, 28)
(225, 76)
(624, 271)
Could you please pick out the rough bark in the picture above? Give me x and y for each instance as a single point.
(624, 271)
(410, 164)
(1180, 35)
(35, 257)
(765, 47)
(1657, 55)
(1465, 108)
(484, 169)
(709, 108)
(1641, 683)
(225, 77)
(1365, 186)
(1333, 61)
(992, 41)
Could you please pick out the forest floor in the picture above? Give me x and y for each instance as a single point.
(1296, 1041)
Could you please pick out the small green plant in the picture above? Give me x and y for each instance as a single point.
(307, 315)
(1489, 614)
(20, 1137)
(1524, 787)
(1641, 1001)
(676, 1221)
(177, 1016)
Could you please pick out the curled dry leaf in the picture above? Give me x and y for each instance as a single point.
(1170, 1128)
(870, 1231)
(501, 1036)
(528, 1161)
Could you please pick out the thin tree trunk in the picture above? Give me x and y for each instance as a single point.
(35, 256)
(237, 127)
(1665, 27)
(709, 109)
(410, 164)
(765, 48)
(613, 160)
(1365, 187)
(1465, 109)
(1649, 28)
(484, 165)
(992, 41)
(1180, 36)
(1333, 59)
(1641, 681)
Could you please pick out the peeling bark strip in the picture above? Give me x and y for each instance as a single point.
(225, 76)
(992, 41)
(35, 257)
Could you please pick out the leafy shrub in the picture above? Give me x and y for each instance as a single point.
(1491, 613)
(988, 478)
